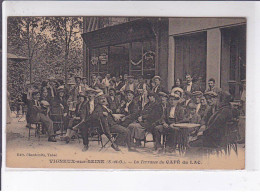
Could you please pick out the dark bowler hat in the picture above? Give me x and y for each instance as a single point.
(197, 93)
(211, 94)
(130, 91)
(163, 94)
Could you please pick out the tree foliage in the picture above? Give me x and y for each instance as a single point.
(51, 44)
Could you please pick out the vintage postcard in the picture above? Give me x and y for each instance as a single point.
(126, 92)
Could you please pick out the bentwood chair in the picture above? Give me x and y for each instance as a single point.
(56, 115)
(38, 129)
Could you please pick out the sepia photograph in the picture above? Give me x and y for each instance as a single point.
(107, 92)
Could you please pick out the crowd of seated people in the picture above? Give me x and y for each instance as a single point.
(131, 107)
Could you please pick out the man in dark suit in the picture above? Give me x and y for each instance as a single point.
(78, 117)
(88, 120)
(147, 120)
(217, 124)
(104, 114)
(190, 86)
(157, 85)
(130, 109)
(174, 113)
(113, 101)
(37, 115)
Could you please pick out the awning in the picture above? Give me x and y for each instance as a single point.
(137, 30)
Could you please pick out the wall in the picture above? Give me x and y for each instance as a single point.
(184, 25)
(180, 26)
(163, 51)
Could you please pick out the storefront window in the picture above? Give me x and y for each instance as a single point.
(99, 61)
(142, 60)
(233, 65)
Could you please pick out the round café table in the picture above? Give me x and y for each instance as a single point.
(182, 135)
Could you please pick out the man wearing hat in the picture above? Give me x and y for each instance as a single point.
(113, 101)
(51, 87)
(130, 109)
(157, 85)
(203, 106)
(196, 99)
(77, 118)
(142, 92)
(84, 84)
(163, 100)
(190, 86)
(129, 85)
(217, 124)
(212, 99)
(104, 114)
(106, 82)
(77, 89)
(88, 120)
(174, 113)
(37, 115)
(149, 116)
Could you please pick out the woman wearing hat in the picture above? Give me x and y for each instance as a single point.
(59, 105)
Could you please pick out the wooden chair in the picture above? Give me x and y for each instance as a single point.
(145, 138)
(230, 138)
(56, 115)
(38, 129)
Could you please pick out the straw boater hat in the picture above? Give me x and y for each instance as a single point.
(175, 96)
(157, 77)
(177, 89)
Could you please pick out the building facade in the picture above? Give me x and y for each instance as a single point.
(168, 47)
